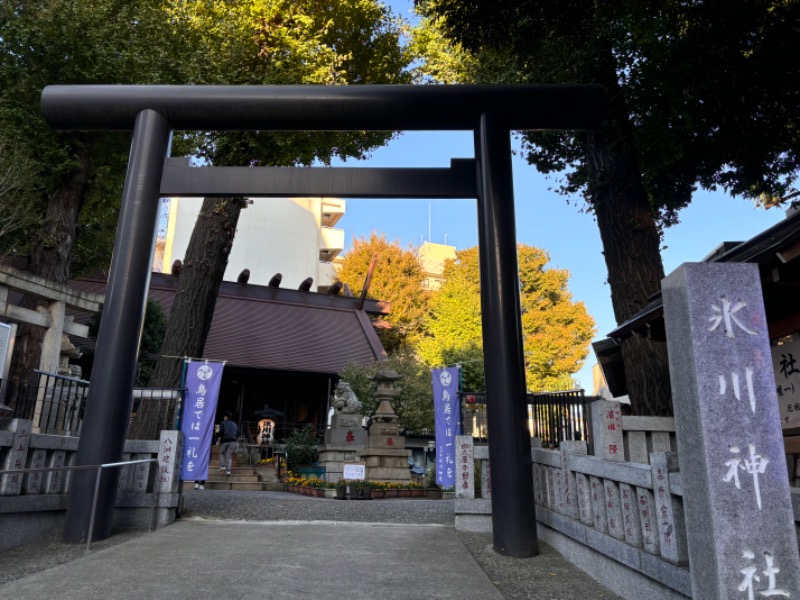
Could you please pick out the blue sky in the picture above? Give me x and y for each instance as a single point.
(543, 219)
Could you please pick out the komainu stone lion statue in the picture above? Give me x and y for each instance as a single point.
(345, 400)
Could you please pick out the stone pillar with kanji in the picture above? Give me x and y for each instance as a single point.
(607, 430)
(741, 532)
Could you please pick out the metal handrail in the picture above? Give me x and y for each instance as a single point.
(99, 468)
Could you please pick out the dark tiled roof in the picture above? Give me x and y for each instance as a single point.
(760, 249)
(278, 329)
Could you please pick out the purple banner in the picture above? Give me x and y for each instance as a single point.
(202, 390)
(446, 410)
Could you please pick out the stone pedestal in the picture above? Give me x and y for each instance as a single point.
(333, 457)
(342, 441)
(345, 430)
(384, 453)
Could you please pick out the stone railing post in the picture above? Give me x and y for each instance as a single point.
(482, 455)
(465, 467)
(568, 494)
(607, 430)
(170, 451)
(11, 484)
(669, 511)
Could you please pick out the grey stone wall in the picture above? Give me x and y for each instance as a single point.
(32, 505)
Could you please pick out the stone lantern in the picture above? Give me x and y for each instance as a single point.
(384, 454)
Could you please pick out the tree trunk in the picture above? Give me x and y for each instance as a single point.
(631, 250)
(190, 318)
(631, 241)
(203, 268)
(51, 258)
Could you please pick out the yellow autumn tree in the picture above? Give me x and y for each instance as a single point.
(398, 278)
(556, 329)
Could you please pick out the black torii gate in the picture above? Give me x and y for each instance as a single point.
(152, 112)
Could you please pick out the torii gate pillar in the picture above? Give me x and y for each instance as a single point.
(513, 518)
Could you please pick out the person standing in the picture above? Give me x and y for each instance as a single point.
(228, 433)
(200, 484)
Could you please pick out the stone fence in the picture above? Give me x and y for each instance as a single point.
(33, 505)
(621, 521)
(643, 435)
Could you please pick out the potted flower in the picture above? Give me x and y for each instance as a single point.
(404, 491)
(341, 490)
(432, 489)
(390, 490)
(433, 492)
(320, 485)
(376, 490)
(366, 489)
(328, 490)
(360, 490)
(417, 491)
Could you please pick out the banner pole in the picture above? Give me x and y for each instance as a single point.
(182, 390)
(460, 400)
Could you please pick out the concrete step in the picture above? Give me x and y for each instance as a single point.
(245, 486)
(236, 478)
(274, 487)
(242, 476)
(214, 470)
(268, 476)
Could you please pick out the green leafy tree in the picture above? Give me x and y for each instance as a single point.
(155, 324)
(555, 329)
(45, 42)
(270, 42)
(398, 278)
(16, 194)
(414, 401)
(76, 176)
(699, 94)
(301, 448)
(469, 356)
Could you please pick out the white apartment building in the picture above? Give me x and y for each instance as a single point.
(295, 237)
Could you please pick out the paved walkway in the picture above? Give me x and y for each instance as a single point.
(203, 556)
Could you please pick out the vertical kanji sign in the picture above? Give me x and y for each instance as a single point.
(742, 542)
(203, 379)
(446, 409)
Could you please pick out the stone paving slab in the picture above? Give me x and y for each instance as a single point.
(280, 560)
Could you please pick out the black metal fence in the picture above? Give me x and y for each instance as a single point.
(552, 416)
(154, 409)
(56, 403)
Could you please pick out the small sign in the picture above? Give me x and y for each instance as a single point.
(786, 367)
(5, 341)
(353, 471)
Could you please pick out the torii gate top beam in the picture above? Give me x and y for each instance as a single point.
(324, 108)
